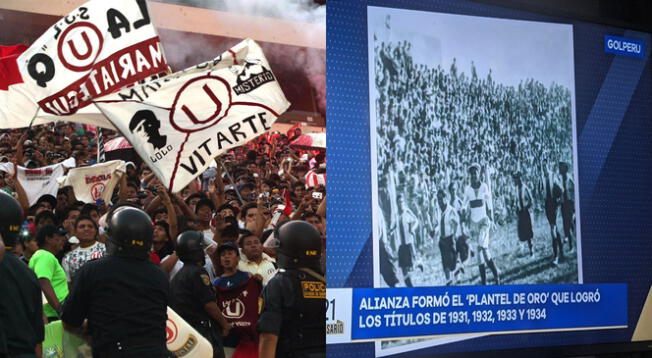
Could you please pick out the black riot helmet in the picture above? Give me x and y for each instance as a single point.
(11, 219)
(299, 246)
(190, 246)
(129, 232)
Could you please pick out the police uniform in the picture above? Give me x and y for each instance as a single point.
(3, 342)
(21, 308)
(125, 301)
(190, 290)
(294, 300)
(294, 310)
(124, 296)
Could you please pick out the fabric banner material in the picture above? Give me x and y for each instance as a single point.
(239, 305)
(183, 340)
(95, 181)
(313, 179)
(14, 102)
(39, 181)
(98, 48)
(180, 122)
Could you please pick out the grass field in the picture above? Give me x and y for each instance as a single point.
(512, 259)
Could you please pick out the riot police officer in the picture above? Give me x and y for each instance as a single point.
(123, 296)
(192, 295)
(292, 321)
(21, 309)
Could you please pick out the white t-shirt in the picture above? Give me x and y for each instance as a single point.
(266, 267)
(76, 258)
(94, 182)
(407, 226)
(39, 181)
(208, 237)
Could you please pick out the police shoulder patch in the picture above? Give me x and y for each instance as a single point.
(313, 289)
(205, 279)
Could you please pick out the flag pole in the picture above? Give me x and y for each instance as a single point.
(101, 158)
(33, 118)
(232, 182)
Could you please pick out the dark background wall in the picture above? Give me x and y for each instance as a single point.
(634, 14)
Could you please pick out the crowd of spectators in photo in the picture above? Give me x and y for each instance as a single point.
(240, 199)
(433, 123)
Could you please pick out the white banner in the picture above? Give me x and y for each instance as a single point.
(95, 181)
(183, 340)
(39, 181)
(87, 115)
(100, 47)
(179, 123)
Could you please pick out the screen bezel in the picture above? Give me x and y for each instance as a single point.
(597, 12)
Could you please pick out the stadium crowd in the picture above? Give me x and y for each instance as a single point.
(235, 205)
(433, 124)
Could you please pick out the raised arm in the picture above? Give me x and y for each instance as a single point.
(122, 192)
(185, 210)
(259, 225)
(19, 147)
(321, 210)
(216, 190)
(172, 215)
(20, 191)
(305, 201)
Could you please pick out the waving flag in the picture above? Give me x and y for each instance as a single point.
(100, 47)
(179, 123)
(15, 104)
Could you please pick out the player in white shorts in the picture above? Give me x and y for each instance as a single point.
(479, 202)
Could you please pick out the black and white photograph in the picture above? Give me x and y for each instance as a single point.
(473, 150)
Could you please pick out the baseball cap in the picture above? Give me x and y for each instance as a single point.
(227, 246)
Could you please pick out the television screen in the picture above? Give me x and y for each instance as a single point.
(489, 184)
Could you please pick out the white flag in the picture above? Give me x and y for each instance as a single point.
(39, 181)
(99, 48)
(179, 123)
(94, 182)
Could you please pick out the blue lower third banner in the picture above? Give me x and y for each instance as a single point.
(411, 312)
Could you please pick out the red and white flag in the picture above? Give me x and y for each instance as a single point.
(98, 48)
(15, 104)
(313, 179)
(179, 123)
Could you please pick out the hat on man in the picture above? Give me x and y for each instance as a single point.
(227, 246)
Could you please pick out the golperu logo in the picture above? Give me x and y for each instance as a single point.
(624, 46)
